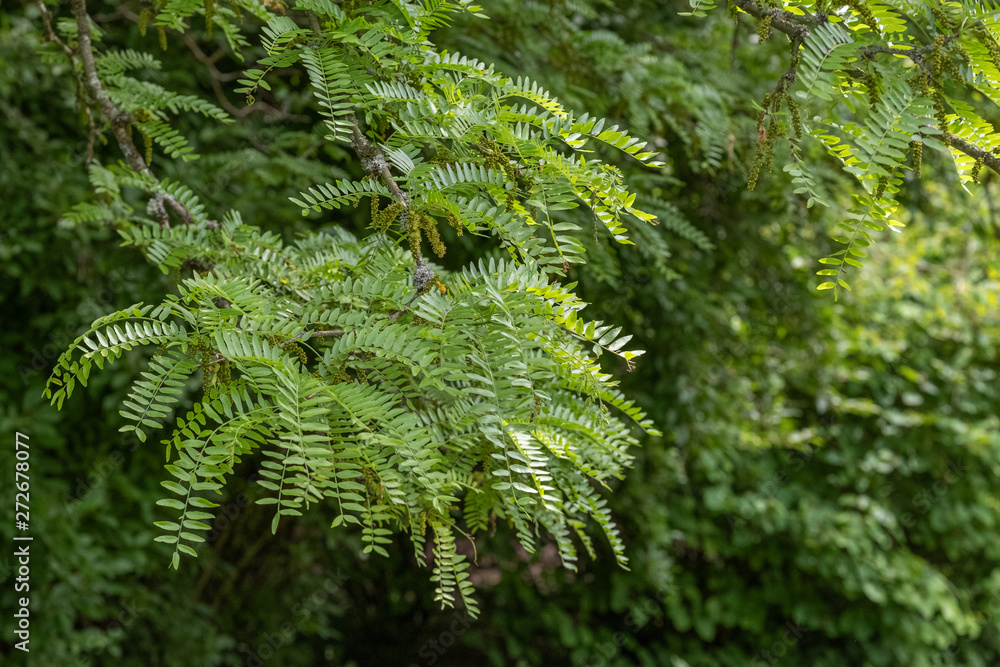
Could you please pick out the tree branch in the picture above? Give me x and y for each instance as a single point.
(792, 25)
(974, 151)
(120, 121)
(50, 36)
(373, 161)
(95, 89)
(797, 28)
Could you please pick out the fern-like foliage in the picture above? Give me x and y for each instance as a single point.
(380, 414)
(826, 52)
(362, 380)
(494, 140)
(908, 71)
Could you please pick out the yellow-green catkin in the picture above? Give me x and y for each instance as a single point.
(443, 156)
(964, 54)
(413, 233)
(373, 488)
(495, 158)
(941, 17)
(207, 372)
(148, 144)
(429, 225)
(773, 132)
(764, 23)
(984, 37)
(793, 111)
(796, 56)
(866, 14)
(872, 82)
(209, 16)
(754, 171)
(144, 17)
(761, 115)
(225, 373)
(938, 54)
(940, 110)
(390, 214)
(917, 147)
(163, 37)
(764, 28)
(883, 182)
(455, 221)
(340, 376)
(528, 181)
(976, 168)
(951, 64)
(381, 220)
(758, 160)
(297, 350)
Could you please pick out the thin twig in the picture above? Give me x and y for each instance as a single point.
(396, 314)
(50, 34)
(321, 334)
(308, 335)
(218, 77)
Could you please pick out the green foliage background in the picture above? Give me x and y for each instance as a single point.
(824, 493)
